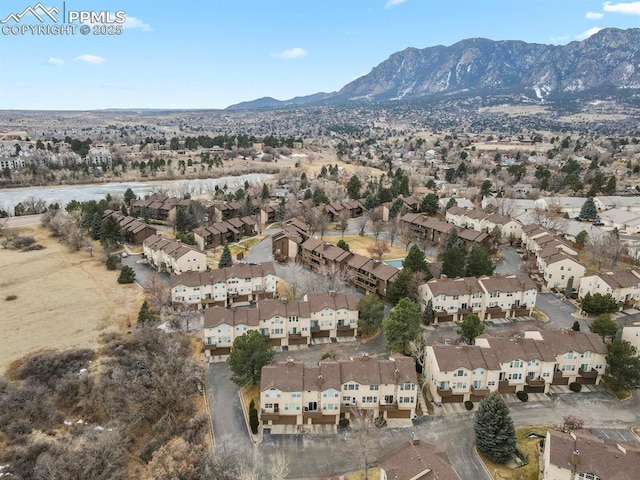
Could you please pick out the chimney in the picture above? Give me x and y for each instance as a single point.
(396, 374)
(289, 360)
(365, 356)
(414, 439)
(319, 381)
(575, 458)
(443, 277)
(332, 293)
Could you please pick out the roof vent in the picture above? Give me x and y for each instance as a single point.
(289, 360)
(575, 457)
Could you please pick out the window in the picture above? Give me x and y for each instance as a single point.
(588, 476)
(369, 399)
(296, 394)
(460, 373)
(546, 375)
(491, 383)
(533, 363)
(406, 400)
(478, 371)
(460, 385)
(516, 364)
(598, 367)
(495, 294)
(268, 405)
(291, 406)
(515, 376)
(443, 385)
(351, 386)
(293, 318)
(272, 393)
(373, 387)
(477, 383)
(210, 341)
(456, 297)
(585, 367)
(570, 355)
(330, 393)
(408, 386)
(587, 355)
(568, 368)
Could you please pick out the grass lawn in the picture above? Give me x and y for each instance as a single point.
(251, 392)
(243, 246)
(529, 446)
(358, 244)
(374, 472)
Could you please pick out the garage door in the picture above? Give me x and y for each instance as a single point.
(453, 399)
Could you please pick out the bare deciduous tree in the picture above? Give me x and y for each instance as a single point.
(393, 229)
(293, 276)
(551, 219)
(343, 221)
(365, 442)
(363, 221)
(378, 249)
(333, 279)
(158, 292)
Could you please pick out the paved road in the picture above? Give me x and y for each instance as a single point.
(23, 221)
(227, 419)
(510, 262)
(559, 312)
(143, 271)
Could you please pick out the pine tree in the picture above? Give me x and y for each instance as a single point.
(402, 326)
(453, 262)
(127, 275)
(470, 328)
(225, 258)
(495, 434)
(265, 192)
(479, 262)
(415, 260)
(144, 315)
(589, 210)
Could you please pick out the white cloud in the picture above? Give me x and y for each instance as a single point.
(628, 8)
(133, 22)
(292, 53)
(92, 59)
(55, 61)
(588, 33)
(393, 3)
(593, 15)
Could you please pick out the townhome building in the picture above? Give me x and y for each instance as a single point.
(294, 393)
(368, 275)
(417, 460)
(133, 230)
(560, 270)
(317, 318)
(157, 207)
(225, 286)
(457, 373)
(285, 245)
(622, 285)
(224, 232)
(173, 256)
(479, 221)
(435, 231)
(580, 455)
(498, 296)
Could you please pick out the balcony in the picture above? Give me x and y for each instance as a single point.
(315, 329)
(479, 392)
(557, 374)
(295, 335)
(444, 392)
(385, 407)
(267, 416)
(344, 328)
(534, 382)
(465, 311)
(588, 373)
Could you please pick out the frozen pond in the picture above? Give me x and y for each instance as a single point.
(63, 194)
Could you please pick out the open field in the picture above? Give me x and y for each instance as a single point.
(358, 244)
(63, 299)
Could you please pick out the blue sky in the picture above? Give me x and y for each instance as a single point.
(210, 54)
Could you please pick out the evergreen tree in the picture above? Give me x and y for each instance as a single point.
(225, 258)
(416, 261)
(254, 421)
(576, 326)
(598, 303)
(451, 203)
(495, 433)
(129, 196)
(470, 328)
(399, 287)
(479, 262)
(250, 352)
(127, 275)
(402, 326)
(265, 192)
(453, 262)
(605, 327)
(144, 315)
(343, 245)
(429, 313)
(429, 204)
(582, 237)
(589, 210)
(110, 232)
(370, 314)
(353, 187)
(623, 366)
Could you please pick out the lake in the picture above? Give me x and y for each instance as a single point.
(63, 194)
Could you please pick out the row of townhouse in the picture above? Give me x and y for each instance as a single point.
(480, 221)
(317, 317)
(622, 285)
(157, 207)
(367, 275)
(294, 393)
(436, 231)
(556, 260)
(223, 287)
(580, 455)
(508, 365)
(225, 232)
(133, 230)
(286, 243)
(498, 296)
(626, 221)
(173, 256)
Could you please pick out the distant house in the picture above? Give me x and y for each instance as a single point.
(133, 230)
(435, 231)
(286, 243)
(580, 455)
(622, 285)
(224, 232)
(294, 393)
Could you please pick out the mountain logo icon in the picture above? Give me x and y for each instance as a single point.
(39, 11)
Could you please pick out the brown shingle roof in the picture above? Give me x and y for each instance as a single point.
(421, 461)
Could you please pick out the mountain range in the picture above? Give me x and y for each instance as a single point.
(607, 62)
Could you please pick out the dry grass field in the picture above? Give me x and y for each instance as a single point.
(358, 244)
(63, 299)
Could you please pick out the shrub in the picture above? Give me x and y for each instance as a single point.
(112, 262)
(575, 387)
(254, 422)
(523, 396)
(127, 275)
(343, 422)
(23, 242)
(8, 298)
(468, 405)
(380, 422)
